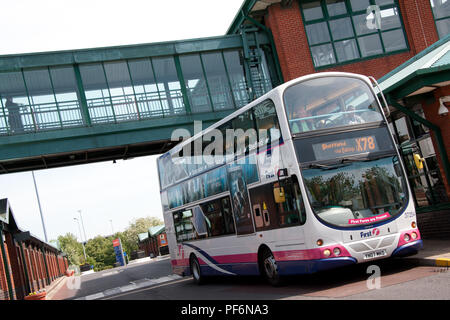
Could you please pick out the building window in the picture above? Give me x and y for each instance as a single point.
(441, 13)
(340, 31)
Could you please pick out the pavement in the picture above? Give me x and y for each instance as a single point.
(435, 253)
(53, 288)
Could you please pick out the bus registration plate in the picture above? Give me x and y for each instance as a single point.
(375, 254)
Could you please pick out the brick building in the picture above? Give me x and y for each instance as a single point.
(154, 241)
(27, 264)
(337, 35)
(382, 39)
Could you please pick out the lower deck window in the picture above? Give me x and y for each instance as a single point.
(211, 219)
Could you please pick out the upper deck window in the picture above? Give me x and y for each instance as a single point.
(329, 102)
(339, 31)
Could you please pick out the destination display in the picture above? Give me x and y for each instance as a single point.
(344, 147)
(344, 144)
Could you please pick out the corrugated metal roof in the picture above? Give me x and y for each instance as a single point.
(143, 236)
(156, 230)
(422, 60)
(444, 60)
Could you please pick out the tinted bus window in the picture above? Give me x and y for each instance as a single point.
(244, 132)
(219, 215)
(210, 219)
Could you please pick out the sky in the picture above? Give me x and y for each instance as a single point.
(127, 189)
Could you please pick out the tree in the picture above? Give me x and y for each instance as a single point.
(100, 252)
(130, 236)
(74, 250)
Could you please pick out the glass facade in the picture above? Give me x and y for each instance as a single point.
(49, 98)
(196, 84)
(96, 90)
(67, 95)
(441, 13)
(339, 31)
(43, 101)
(218, 82)
(17, 114)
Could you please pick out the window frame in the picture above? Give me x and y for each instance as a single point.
(436, 20)
(350, 15)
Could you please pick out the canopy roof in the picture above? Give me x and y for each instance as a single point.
(156, 230)
(143, 236)
(423, 73)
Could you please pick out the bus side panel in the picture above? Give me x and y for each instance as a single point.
(179, 264)
(228, 255)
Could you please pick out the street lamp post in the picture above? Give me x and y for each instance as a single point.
(112, 229)
(82, 224)
(39, 204)
(81, 238)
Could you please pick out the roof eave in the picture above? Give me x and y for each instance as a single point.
(417, 80)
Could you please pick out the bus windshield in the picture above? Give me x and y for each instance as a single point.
(356, 192)
(330, 102)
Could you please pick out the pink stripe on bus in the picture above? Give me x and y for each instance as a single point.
(308, 254)
(289, 255)
(237, 258)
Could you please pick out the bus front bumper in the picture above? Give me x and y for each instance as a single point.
(408, 249)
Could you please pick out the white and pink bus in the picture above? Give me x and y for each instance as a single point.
(305, 178)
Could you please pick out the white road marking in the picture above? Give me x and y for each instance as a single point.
(138, 284)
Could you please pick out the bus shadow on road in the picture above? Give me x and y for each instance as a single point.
(335, 283)
(338, 283)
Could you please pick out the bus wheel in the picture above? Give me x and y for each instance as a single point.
(270, 269)
(196, 271)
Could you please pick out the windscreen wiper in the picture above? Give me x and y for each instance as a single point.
(325, 167)
(344, 160)
(316, 166)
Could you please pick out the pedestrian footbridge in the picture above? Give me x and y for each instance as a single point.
(80, 106)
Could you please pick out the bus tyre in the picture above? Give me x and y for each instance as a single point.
(270, 268)
(196, 271)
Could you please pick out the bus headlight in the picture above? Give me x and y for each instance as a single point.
(337, 251)
(326, 253)
(414, 235)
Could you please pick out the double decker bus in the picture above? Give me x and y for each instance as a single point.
(305, 178)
